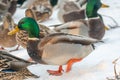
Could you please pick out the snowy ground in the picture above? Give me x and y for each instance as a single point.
(98, 65)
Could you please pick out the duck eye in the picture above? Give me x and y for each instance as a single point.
(22, 22)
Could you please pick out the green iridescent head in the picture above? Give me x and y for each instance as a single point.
(92, 7)
(28, 24)
(53, 2)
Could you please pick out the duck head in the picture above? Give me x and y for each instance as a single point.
(28, 24)
(93, 6)
(53, 2)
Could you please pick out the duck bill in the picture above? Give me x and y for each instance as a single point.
(104, 6)
(107, 28)
(14, 31)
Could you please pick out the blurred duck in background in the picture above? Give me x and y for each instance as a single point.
(7, 24)
(71, 10)
(7, 6)
(93, 27)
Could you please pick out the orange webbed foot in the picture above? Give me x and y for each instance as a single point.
(57, 72)
(70, 63)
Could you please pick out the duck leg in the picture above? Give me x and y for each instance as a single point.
(15, 49)
(70, 63)
(57, 72)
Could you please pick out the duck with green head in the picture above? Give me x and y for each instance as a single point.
(56, 48)
(93, 27)
(22, 36)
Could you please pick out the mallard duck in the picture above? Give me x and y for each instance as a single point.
(19, 75)
(7, 25)
(7, 6)
(22, 36)
(56, 48)
(93, 27)
(13, 63)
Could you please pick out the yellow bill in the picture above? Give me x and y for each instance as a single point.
(104, 6)
(107, 28)
(14, 31)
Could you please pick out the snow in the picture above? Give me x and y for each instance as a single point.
(96, 66)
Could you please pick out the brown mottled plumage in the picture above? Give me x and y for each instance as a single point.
(8, 61)
(19, 75)
(5, 39)
(14, 68)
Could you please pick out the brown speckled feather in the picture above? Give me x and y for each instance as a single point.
(19, 75)
(8, 61)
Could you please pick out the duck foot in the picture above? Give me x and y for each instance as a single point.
(70, 63)
(30, 60)
(57, 72)
(15, 49)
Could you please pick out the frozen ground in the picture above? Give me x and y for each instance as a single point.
(98, 65)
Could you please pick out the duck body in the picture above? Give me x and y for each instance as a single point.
(59, 48)
(6, 40)
(93, 28)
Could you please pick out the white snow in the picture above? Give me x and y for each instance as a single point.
(96, 66)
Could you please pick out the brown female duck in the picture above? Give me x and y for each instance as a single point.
(10, 62)
(12, 67)
(19, 75)
(42, 9)
(6, 40)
